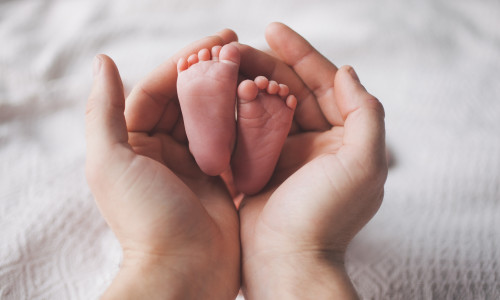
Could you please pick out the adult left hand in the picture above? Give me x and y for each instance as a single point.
(328, 182)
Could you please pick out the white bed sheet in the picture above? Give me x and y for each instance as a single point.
(434, 64)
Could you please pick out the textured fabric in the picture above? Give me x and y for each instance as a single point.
(435, 65)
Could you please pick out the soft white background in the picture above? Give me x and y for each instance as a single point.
(435, 65)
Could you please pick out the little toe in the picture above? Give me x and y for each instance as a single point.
(204, 55)
(273, 87)
(291, 102)
(247, 90)
(229, 53)
(262, 82)
(192, 59)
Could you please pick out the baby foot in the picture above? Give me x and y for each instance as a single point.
(206, 86)
(265, 113)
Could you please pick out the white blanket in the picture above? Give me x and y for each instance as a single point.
(435, 65)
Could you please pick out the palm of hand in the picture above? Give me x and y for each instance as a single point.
(284, 214)
(185, 209)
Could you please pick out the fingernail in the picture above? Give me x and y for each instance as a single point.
(96, 66)
(353, 74)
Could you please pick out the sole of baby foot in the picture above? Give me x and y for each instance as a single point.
(206, 87)
(265, 113)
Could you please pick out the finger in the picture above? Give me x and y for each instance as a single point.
(316, 71)
(106, 131)
(148, 100)
(255, 63)
(105, 106)
(364, 128)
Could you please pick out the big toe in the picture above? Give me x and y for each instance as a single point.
(229, 53)
(247, 90)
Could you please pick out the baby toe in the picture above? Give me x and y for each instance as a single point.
(192, 59)
(273, 87)
(283, 90)
(261, 82)
(204, 55)
(247, 90)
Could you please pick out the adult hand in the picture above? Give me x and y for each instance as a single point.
(327, 184)
(178, 227)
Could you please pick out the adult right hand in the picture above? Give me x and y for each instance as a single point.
(328, 182)
(177, 226)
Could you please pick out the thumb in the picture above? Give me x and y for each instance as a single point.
(364, 126)
(105, 127)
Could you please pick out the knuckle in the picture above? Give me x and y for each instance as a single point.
(376, 105)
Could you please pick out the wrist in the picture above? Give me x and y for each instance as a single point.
(140, 280)
(177, 277)
(297, 276)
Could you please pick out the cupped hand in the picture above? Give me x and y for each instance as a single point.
(327, 184)
(178, 227)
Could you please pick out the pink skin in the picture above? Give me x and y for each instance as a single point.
(265, 113)
(206, 86)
